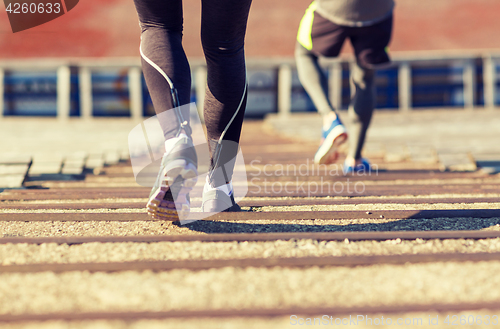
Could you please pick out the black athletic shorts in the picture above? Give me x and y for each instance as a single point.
(325, 38)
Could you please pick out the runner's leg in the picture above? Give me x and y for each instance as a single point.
(369, 45)
(168, 78)
(313, 79)
(361, 108)
(223, 28)
(164, 63)
(317, 36)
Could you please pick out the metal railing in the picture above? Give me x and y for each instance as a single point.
(404, 62)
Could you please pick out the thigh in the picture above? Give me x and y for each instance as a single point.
(370, 43)
(224, 22)
(327, 37)
(164, 14)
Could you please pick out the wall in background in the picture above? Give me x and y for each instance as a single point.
(97, 28)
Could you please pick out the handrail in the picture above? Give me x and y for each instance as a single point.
(404, 61)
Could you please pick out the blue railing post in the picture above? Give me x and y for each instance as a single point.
(469, 81)
(489, 80)
(284, 89)
(85, 89)
(135, 92)
(63, 92)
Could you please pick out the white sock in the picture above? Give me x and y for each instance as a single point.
(170, 143)
(226, 188)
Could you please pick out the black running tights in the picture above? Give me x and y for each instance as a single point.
(167, 72)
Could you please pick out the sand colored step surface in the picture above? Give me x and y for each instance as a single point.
(250, 288)
(238, 278)
(133, 228)
(119, 252)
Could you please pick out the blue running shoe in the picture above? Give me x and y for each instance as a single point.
(332, 139)
(364, 167)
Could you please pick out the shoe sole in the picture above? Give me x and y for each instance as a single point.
(234, 208)
(220, 203)
(327, 152)
(178, 180)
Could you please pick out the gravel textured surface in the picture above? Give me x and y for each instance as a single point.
(347, 207)
(90, 228)
(413, 320)
(150, 227)
(253, 288)
(124, 252)
(386, 206)
(80, 201)
(235, 288)
(249, 198)
(367, 181)
(76, 211)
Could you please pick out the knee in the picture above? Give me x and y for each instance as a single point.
(221, 47)
(362, 76)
